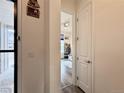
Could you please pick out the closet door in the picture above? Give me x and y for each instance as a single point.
(84, 64)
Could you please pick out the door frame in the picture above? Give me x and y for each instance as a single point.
(19, 44)
(16, 46)
(54, 42)
(73, 45)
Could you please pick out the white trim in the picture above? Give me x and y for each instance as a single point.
(19, 46)
(93, 47)
(74, 49)
(54, 45)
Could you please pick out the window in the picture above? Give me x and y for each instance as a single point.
(8, 47)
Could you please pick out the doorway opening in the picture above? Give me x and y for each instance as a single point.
(82, 44)
(66, 49)
(76, 46)
(8, 46)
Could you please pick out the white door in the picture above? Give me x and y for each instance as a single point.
(84, 63)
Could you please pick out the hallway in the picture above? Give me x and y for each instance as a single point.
(92, 41)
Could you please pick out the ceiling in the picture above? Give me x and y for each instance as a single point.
(66, 22)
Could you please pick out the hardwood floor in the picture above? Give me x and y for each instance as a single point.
(72, 89)
(66, 78)
(66, 73)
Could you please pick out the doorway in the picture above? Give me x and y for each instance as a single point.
(66, 49)
(83, 62)
(8, 46)
(83, 45)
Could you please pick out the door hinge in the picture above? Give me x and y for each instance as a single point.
(77, 38)
(77, 19)
(18, 38)
(77, 58)
(77, 78)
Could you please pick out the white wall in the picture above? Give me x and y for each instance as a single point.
(68, 5)
(47, 63)
(52, 28)
(33, 50)
(109, 46)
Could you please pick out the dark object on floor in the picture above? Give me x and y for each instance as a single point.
(72, 89)
(65, 56)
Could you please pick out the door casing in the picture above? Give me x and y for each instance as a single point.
(54, 11)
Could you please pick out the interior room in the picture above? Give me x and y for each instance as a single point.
(66, 49)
